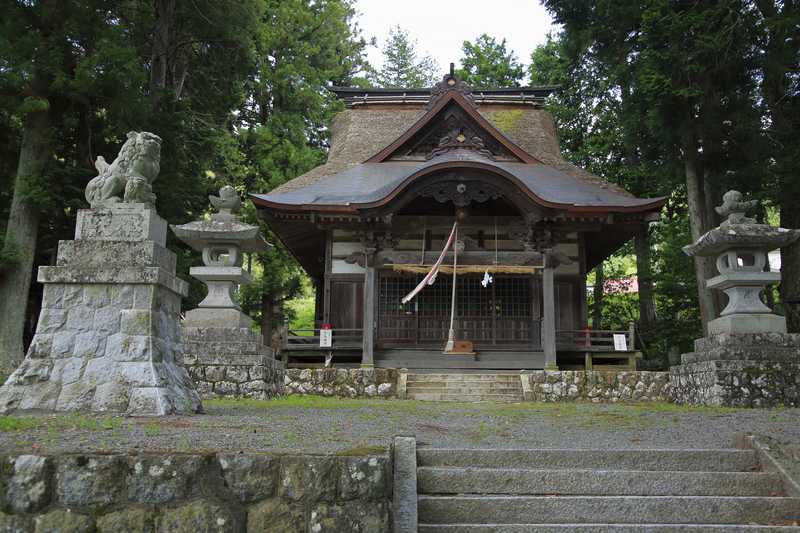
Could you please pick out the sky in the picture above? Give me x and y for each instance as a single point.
(441, 26)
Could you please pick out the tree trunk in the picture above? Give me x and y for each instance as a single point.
(597, 293)
(696, 200)
(21, 233)
(647, 308)
(779, 59)
(160, 53)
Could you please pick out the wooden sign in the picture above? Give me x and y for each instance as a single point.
(325, 338)
(620, 342)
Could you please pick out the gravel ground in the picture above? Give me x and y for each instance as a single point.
(324, 425)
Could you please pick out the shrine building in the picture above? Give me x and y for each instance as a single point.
(404, 166)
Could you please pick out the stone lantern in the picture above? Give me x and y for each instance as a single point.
(747, 359)
(222, 240)
(741, 246)
(224, 355)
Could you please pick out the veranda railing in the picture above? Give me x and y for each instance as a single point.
(594, 339)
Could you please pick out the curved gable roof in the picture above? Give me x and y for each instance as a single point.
(368, 185)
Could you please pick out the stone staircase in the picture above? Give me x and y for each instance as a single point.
(464, 387)
(608, 491)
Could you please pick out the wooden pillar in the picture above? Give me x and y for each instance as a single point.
(368, 343)
(549, 315)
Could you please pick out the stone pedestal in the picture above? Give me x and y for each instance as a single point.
(740, 370)
(231, 362)
(108, 337)
(219, 308)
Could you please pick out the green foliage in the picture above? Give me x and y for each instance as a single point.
(236, 90)
(300, 309)
(487, 63)
(402, 64)
(648, 88)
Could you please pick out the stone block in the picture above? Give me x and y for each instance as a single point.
(122, 296)
(123, 347)
(143, 297)
(28, 487)
(53, 297)
(277, 516)
(156, 479)
(63, 521)
(68, 370)
(209, 317)
(123, 223)
(80, 318)
(41, 345)
(130, 520)
(364, 478)
(250, 477)
(239, 374)
(215, 373)
(226, 388)
(136, 322)
(745, 323)
(180, 397)
(89, 344)
(15, 524)
(201, 516)
(63, 344)
(96, 296)
(51, 320)
(85, 253)
(110, 397)
(308, 478)
(42, 396)
(73, 296)
(90, 481)
(75, 396)
(106, 320)
(350, 516)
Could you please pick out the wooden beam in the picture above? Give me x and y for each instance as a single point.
(369, 317)
(389, 257)
(549, 318)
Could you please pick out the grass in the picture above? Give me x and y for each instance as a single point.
(363, 450)
(58, 422)
(600, 416)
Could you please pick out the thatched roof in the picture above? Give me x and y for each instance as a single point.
(360, 132)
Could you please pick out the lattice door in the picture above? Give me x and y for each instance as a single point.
(504, 314)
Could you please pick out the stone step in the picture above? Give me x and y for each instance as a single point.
(462, 382)
(494, 388)
(708, 460)
(461, 397)
(603, 528)
(607, 509)
(462, 377)
(438, 480)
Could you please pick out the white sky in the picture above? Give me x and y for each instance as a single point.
(441, 26)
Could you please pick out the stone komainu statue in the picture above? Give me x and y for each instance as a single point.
(130, 176)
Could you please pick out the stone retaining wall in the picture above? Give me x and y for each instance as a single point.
(740, 370)
(596, 386)
(737, 383)
(191, 493)
(231, 363)
(343, 382)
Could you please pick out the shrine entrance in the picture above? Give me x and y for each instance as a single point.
(506, 314)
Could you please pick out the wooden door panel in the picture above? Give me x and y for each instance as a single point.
(347, 304)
